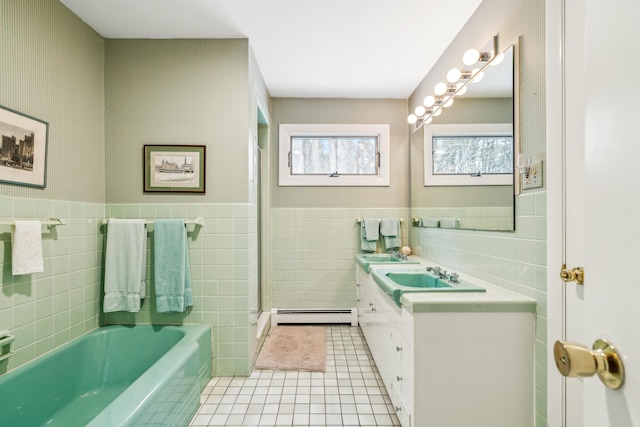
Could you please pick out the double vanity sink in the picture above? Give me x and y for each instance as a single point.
(436, 338)
(397, 281)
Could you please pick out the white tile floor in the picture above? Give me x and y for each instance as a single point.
(349, 393)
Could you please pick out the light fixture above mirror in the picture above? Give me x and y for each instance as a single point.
(475, 63)
(489, 206)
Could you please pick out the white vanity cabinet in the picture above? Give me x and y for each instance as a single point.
(453, 360)
(380, 321)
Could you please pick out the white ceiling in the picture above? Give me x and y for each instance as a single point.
(305, 48)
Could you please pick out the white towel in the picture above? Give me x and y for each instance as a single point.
(26, 241)
(125, 265)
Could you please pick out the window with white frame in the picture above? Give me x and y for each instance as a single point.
(468, 154)
(334, 155)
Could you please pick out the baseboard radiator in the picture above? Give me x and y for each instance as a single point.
(314, 315)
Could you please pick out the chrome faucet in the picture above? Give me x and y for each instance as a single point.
(439, 271)
(442, 274)
(397, 254)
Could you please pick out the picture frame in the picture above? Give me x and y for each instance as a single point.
(23, 150)
(174, 168)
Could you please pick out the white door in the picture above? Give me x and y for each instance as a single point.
(601, 227)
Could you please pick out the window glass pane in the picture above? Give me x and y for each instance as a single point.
(312, 156)
(357, 156)
(465, 155)
(327, 155)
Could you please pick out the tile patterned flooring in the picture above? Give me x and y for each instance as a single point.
(349, 393)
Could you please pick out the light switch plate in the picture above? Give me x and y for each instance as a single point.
(534, 178)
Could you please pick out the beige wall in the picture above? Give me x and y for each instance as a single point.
(177, 92)
(361, 111)
(52, 68)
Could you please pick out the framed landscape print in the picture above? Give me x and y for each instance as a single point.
(23, 151)
(174, 168)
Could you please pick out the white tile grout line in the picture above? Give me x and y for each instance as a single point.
(349, 393)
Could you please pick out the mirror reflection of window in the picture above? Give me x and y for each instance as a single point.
(468, 154)
(472, 154)
(445, 181)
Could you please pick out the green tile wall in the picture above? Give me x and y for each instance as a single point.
(515, 261)
(312, 254)
(222, 254)
(46, 310)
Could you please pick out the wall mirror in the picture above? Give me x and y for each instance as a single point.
(460, 202)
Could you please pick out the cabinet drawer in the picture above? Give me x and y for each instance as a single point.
(399, 405)
(406, 388)
(402, 351)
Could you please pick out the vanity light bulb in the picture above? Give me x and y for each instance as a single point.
(471, 57)
(412, 119)
(454, 75)
(440, 88)
(420, 110)
(461, 91)
(429, 120)
(449, 103)
(429, 101)
(437, 112)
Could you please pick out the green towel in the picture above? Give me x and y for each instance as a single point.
(390, 230)
(429, 222)
(171, 266)
(369, 234)
(450, 222)
(125, 265)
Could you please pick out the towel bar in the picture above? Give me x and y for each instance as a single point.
(416, 221)
(49, 222)
(6, 355)
(198, 221)
(359, 220)
(5, 341)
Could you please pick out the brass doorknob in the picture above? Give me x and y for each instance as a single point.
(575, 360)
(575, 274)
